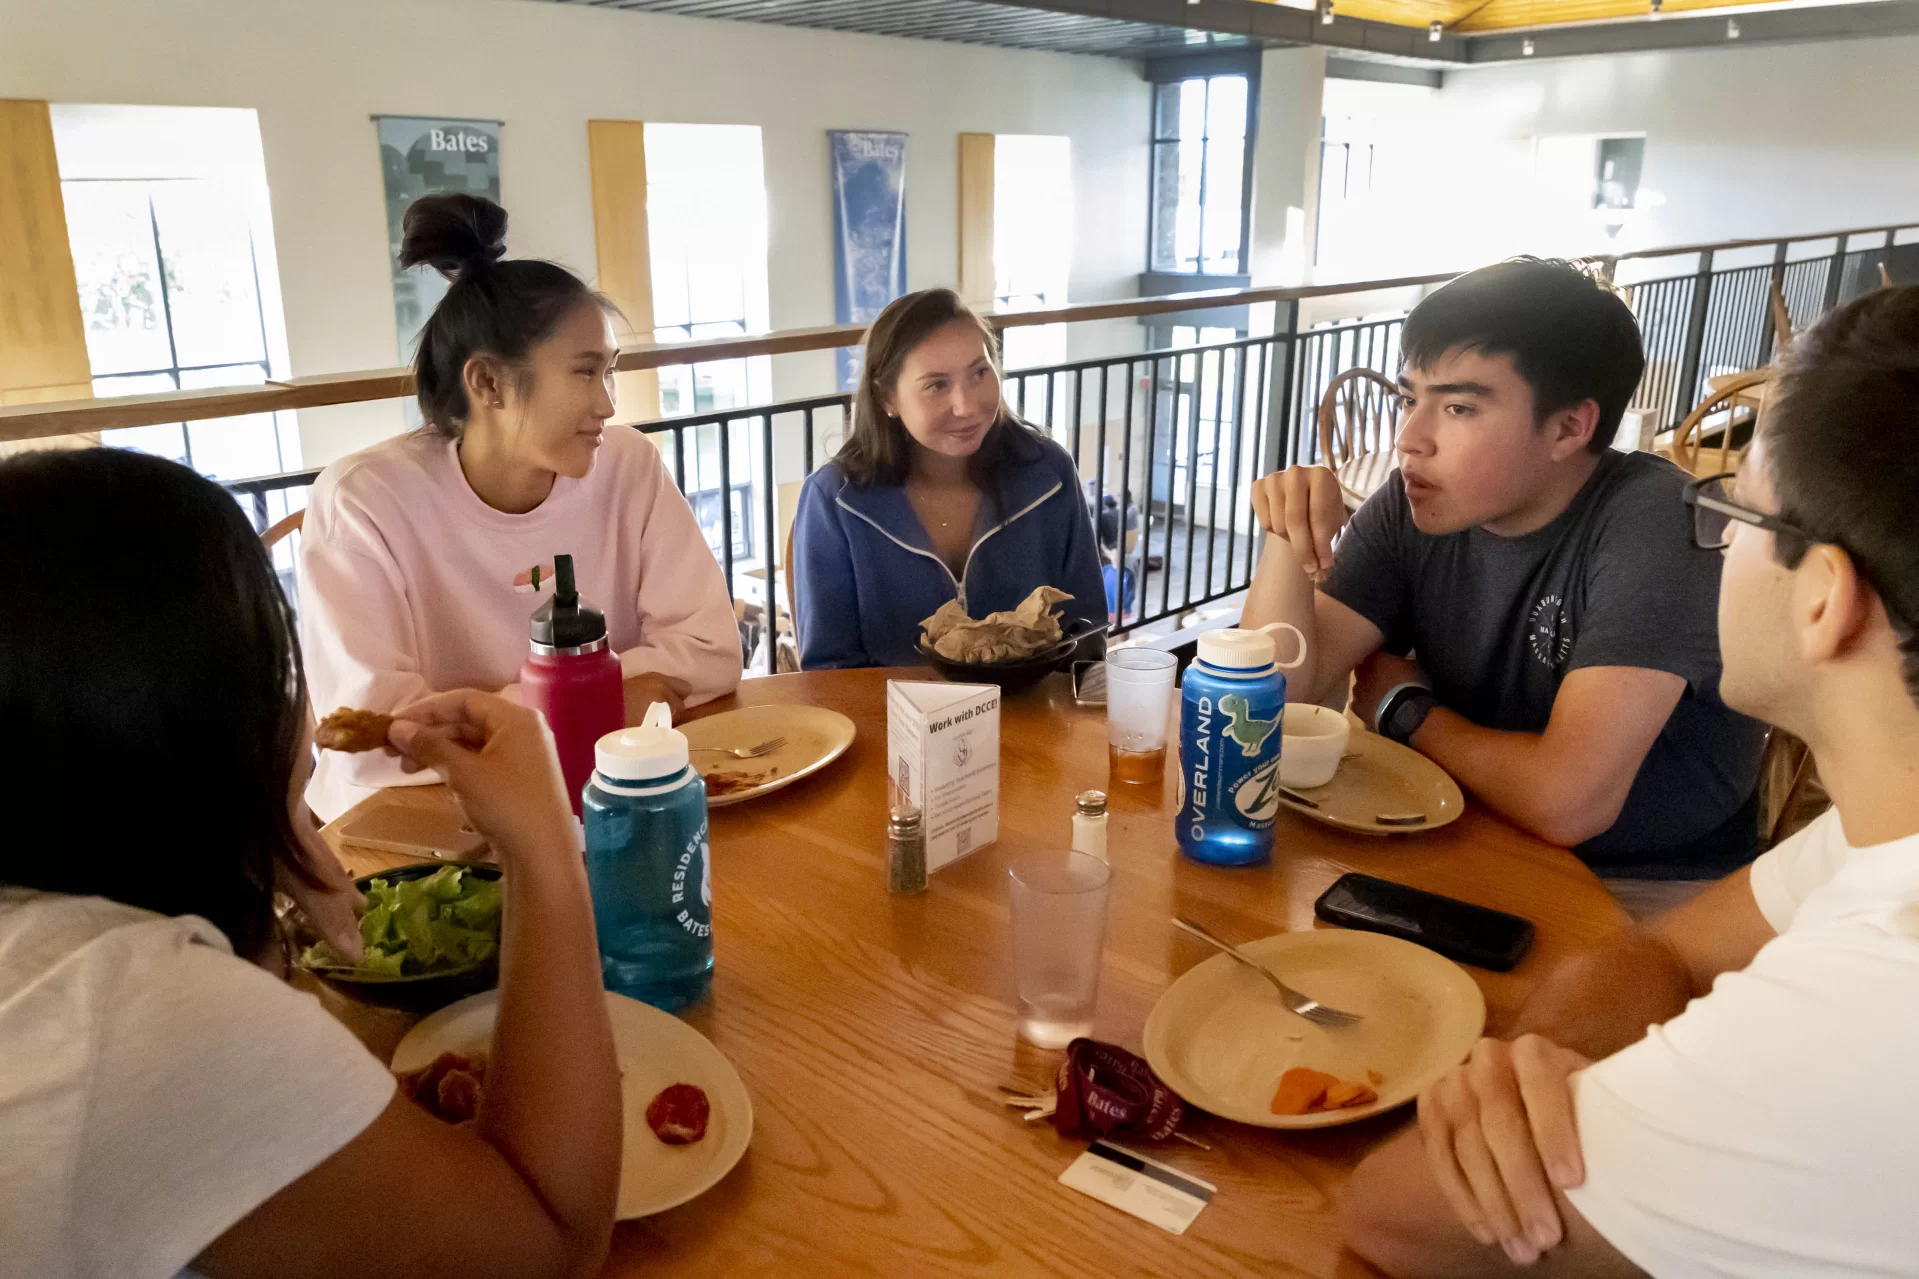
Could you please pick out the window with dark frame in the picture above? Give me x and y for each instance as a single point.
(1199, 196)
(170, 294)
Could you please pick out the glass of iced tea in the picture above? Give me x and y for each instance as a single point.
(1139, 698)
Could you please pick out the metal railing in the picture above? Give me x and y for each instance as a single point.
(1716, 320)
(1168, 442)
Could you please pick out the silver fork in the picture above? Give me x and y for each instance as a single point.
(747, 752)
(1305, 1005)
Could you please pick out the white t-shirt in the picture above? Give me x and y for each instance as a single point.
(1773, 1127)
(154, 1088)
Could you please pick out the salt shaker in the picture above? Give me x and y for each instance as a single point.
(905, 852)
(1089, 823)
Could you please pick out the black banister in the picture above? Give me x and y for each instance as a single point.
(1696, 328)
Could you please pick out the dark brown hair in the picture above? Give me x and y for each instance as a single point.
(1842, 444)
(492, 307)
(151, 689)
(1569, 335)
(880, 451)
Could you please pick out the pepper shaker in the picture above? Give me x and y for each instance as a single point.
(905, 852)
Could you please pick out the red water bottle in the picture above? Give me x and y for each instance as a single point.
(572, 677)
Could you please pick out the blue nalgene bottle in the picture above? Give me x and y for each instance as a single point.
(646, 861)
(1230, 703)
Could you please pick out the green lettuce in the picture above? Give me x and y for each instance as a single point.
(447, 920)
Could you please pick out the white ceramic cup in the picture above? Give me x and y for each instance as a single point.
(1313, 742)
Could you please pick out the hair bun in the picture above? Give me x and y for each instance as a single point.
(452, 232)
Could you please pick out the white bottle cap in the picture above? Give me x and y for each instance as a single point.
(1235, 649)
(655, 749)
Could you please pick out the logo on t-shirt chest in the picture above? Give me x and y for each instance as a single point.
(1549, 632)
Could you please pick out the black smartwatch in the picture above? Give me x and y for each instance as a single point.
(1402, 711)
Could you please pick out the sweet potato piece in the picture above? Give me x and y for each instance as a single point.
(1301, 1091)
(1345, 1093)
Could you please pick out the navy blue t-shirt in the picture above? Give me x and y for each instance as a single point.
(1614, 580)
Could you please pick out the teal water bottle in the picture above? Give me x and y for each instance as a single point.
(647, 864)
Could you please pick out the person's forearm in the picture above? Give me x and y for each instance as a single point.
(1281, 592)
(1598, 1003)
(1524, 777)
(553, 1084)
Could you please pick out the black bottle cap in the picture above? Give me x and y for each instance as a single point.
(566, 620)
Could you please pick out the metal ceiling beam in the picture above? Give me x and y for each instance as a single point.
(1139, 29)
(1761, 26)
(1112, 28)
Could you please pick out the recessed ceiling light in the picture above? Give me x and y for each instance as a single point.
(1732, 28)
(1436, 30)
(1526, 47)
(1326, 13)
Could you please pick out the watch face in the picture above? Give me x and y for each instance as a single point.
(1410, 713)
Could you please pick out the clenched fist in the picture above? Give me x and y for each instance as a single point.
(1304, 505)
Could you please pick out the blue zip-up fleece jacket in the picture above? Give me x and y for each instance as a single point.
(867, 574)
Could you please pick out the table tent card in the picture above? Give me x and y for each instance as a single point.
(942, 747)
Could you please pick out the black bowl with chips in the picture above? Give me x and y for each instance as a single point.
(1012, 677)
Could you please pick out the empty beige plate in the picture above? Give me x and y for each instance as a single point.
(1220, 1038)
(1382, 779)
(815, 737)
(655, 1050)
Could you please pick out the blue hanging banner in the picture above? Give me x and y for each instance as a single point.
(421, 156)
(869, 230)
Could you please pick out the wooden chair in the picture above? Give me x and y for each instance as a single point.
(1781, 321)
(1358, 425)
(1733, 400)
(278, 533)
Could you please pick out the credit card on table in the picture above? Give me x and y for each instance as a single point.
(1146, 1188)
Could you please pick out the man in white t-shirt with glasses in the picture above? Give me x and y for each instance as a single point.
(1730, 1089)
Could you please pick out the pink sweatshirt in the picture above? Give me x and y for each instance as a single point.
(410, 584)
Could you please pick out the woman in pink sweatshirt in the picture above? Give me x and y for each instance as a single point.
(423, 557)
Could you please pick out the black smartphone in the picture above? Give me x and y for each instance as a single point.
(1456, 929)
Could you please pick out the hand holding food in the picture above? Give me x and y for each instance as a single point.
(500, 762)
(1304, 505)
(1011, 635)
(352, 731)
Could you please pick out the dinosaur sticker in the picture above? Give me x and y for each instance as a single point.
(1250, 733)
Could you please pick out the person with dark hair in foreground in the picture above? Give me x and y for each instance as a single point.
(939, 493)
(1727, 1090)
(423, 556)
(167, 1100)
(1521, 602)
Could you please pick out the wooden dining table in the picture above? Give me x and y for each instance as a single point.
(874, 1032)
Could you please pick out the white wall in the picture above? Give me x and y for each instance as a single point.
(315, 72)
(1741, 141)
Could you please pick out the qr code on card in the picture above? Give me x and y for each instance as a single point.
(906, 778)
(963, 841)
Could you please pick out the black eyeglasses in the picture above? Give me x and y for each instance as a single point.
(1714, 512)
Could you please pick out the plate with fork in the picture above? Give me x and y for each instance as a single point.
(1221, 1037)
(756, 750)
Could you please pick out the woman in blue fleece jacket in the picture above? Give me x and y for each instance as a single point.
(940, 493)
